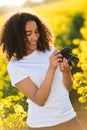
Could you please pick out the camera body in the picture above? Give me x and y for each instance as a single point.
(72, 59)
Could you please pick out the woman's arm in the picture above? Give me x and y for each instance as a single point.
(65, 68)
(40, 95)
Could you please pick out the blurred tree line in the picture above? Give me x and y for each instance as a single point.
(28, 3)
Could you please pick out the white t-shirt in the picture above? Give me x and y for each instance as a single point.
(58, 108)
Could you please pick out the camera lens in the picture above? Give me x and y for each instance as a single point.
(72, 60)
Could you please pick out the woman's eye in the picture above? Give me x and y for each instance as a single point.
(28, 34)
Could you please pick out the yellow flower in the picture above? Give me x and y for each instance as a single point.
(76, 41)
(82, 99)
(80, 90)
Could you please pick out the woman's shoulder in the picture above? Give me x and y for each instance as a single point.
(12, 63)
(52, 49)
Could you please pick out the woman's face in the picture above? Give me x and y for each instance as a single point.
(32, 36)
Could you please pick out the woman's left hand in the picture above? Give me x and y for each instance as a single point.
(64, 66)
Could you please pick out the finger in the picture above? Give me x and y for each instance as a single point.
(66, 65)
(65, 62)
(62, 68)
(60, 55)
(55, 52)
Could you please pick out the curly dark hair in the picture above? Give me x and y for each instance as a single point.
(13, 35)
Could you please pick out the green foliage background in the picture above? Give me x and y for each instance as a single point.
(68, 20)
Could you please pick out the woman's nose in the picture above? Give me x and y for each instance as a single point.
(34, 36)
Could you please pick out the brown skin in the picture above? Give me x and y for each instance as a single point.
(32, 35)
(65, 68)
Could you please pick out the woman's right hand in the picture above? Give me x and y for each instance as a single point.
(55, 59)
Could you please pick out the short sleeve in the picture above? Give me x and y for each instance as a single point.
(52, 48)
(16, 75)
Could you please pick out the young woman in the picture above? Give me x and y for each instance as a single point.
(38, 70)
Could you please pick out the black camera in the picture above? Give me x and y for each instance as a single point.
(72, 59)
